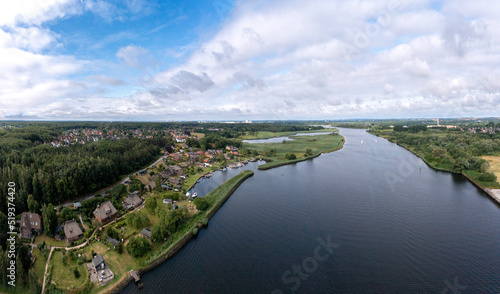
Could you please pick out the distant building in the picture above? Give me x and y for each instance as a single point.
(30, 222)
(72, 231)
(133, 200)
(146, 233)
(105, 212)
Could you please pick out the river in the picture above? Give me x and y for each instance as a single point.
(396, 226)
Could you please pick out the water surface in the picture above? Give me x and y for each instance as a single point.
(400, 229)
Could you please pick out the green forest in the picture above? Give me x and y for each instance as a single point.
(452, 150)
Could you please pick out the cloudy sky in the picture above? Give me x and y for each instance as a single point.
(255, 59)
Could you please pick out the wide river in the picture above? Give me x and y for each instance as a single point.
(369, 218)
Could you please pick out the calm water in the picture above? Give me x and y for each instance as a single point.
(399, 229)
(280, 139)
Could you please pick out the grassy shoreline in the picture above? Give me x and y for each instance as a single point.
(216, 198)
(277, 161)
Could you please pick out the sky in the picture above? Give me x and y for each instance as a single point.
(151, 60)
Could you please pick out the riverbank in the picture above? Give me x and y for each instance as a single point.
(216, 199)
(493, 193)
(316, 144)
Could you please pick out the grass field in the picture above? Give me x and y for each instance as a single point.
(199, 135)
(494, 165)
(63, 275)
(319, 143)
(119, 264)
(267, 135)
(48, 241)
(39, 265)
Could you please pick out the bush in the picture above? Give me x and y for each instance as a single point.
(119, 248)
(201, 203)
(487, 177)
(138, 247)
(76, 273)
(204, 221)
(195, 231)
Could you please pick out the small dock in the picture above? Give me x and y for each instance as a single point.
(135, 275)
(137, 279)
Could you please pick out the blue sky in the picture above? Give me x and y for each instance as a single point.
(222, 59)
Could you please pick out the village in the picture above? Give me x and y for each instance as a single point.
(107, 235)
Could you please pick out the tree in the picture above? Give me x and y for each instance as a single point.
(158, 187)
(49, 218)
(138, 246)
(309, 152)
(111, 232)
(201, 203)
(159, 233)
(119, 248)
(137, 220)
(151, 203)
(33, 204)
(76, 273)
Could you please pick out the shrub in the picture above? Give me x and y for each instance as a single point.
(201, 203)
(487, 177)
(138, 247)
(195, 231)
(204, 221)
(76, 273)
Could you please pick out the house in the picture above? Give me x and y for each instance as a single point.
(98, 262)
(77, 205)
(72, 231)
(30, 222)
(101, 269)
(150, 186)
(113, 242)
(146, 233)
(105, 212)
(142, 172)
(133, 200)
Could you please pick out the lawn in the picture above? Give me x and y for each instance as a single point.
(318, 143)
(199, 135)
(494, 165)
(267, 135)
(39, 265)
(120, 264)
(49, 241)
(63, 275)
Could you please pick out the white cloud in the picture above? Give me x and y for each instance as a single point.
(273, 60)
(135, 56)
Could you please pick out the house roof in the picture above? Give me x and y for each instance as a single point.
(31, 221)
(113, 241)
(133, 199)
(71, 229)
(105, 210)
(97, 260)
(146, 232)
(77, 205)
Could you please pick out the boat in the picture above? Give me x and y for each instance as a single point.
(361, 141)
(194, 195)
(224, 169)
